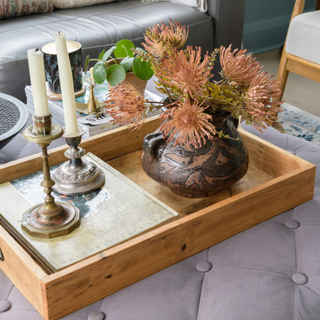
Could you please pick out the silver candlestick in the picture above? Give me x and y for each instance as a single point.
(77, 176)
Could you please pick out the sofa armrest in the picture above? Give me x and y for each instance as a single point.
(228, 19)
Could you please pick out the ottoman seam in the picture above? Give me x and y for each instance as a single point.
(10, 292)
(203, 279)
(296, 267)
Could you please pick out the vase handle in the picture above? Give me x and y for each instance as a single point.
(150, 144)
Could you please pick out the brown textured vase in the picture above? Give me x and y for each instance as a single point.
(201, 172)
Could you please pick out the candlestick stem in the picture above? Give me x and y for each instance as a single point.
(50, 208)
(77, 176)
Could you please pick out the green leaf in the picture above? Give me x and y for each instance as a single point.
(86, 64)
(108, 54)
(142, 69)
(127, 63)
(99, 72)
(101, 54)
(123, 48)
(116, 74)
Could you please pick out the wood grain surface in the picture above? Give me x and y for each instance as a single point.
(21, 269)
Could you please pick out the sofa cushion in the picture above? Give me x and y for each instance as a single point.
(15, 8)
(303, 32)
(96, 27)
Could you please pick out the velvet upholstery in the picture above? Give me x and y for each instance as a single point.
(268, 272)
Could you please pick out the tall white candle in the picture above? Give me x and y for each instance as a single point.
(38, 82)
(66, 84)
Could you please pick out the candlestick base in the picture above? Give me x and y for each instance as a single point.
(77, 176)
(49, 219)
(42, 223)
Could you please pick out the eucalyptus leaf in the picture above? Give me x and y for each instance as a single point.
(99, 72)
(116, 74)
(86, 64)
(101, 54)
(142, 69)
(123, 48)
(127, 63)
(108, 54)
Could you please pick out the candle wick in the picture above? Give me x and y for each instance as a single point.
(58, 32)
(36, 50)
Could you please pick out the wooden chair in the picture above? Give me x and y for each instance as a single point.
(301, 52)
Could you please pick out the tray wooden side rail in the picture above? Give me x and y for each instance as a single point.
(276, 181)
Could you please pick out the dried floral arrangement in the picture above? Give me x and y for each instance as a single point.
(245, 89)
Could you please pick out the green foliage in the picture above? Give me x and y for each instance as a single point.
(86, 64)
(101, 54)
(116, 74)
(142, 69)
(124, 48)
(106, 55)
(99, 72)
(114, 69)
(127, 63)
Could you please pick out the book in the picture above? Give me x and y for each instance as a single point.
(115, 213)
(93, 124)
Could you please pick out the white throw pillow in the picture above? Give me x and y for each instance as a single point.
(201, 5)
(66, 4)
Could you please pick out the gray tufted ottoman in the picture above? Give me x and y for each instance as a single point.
(269, 272)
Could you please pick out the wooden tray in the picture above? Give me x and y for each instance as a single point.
(276, 181)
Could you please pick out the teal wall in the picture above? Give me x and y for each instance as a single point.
(266, 23)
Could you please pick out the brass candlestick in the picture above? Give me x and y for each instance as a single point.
(49, 219)
(93, 106)
(77, 176)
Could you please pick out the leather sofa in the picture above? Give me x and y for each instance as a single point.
(99, 27)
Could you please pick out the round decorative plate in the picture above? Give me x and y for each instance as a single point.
(14, 115)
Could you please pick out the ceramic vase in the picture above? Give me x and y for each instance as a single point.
(52, 69)
(197, 172)
(138, 84)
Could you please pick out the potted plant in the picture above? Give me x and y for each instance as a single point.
(197, 151)
(123, 66)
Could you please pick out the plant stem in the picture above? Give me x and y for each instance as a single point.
(157, 102)
(168, 93)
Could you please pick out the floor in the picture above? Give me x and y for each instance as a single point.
(300, 92)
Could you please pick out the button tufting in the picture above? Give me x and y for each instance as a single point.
(203, 266)
(291, 224)
(96, 316)
(4, 306)
(299, 278)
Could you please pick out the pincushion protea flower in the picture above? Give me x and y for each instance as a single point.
(186, 71)
(244, 90)
(237, 66)
(161, 37)
(260, 102)
(187, 124)
(126, 105)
